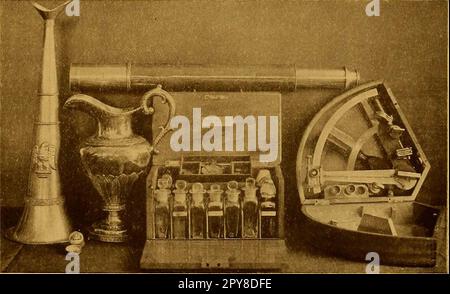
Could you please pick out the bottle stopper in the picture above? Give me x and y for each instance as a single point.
(232, 185)
(250, 188)
(263, 176)
(233, 192)
(168, 179)
(180, 186)
(197, 192)
(268, 189)
(215, 193)
(180, 191)
(162, 183)
(197, 188)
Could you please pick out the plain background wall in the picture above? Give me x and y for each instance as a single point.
(406, 46)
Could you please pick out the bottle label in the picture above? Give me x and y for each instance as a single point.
(233, 196)
(197, 198)
(268, 205)
(215, 197)
(162, 196)
(268, 213)
(215, 213)
(250, 199)
(180, 197)
(179, 213)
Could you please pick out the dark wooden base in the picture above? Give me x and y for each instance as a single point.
(402, 250)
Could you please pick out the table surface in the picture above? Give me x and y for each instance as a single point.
(99, 257)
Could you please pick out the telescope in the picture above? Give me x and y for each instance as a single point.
(281, 78)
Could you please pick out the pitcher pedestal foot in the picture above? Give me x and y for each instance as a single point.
(109, 231)
(103, 232)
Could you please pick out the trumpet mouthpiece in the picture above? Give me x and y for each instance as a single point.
(49, 13)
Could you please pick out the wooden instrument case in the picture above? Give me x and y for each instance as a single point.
(345, 140)
(260, 254)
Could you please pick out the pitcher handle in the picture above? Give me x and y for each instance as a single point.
(165, 98)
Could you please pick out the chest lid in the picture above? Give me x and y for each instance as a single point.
(221, 124)
(360, 148)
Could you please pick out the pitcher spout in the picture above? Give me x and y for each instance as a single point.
(113, 123)
(95, 107)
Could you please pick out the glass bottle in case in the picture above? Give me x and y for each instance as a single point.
(215, 212)
(162, 209)
(232, 210)
(268, 209)
(197, 212)
(250, 210)
(180, 223)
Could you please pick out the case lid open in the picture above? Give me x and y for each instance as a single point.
(207, 117)
(360, 148)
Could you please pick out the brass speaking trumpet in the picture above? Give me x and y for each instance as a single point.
(44, 220)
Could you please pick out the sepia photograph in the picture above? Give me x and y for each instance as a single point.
(224, 137)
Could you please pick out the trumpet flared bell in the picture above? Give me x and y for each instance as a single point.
(41, 224)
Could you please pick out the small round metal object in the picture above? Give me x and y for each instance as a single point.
(313, 173)
(335, 190)
(73, 248)
(375, 188)
(76, 238)
(350, 189)
(360, 190)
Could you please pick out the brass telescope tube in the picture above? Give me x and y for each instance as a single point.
(44, 220)
(283, 78)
